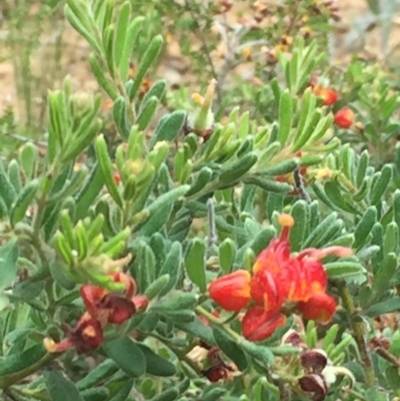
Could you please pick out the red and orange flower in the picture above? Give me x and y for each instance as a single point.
(328, 95)
(102, 307)
(278, 277)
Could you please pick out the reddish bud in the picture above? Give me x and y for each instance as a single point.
(314, 360)
(328, 95)
(215, 373)
(315, 384)
(344, 118)
(141, 302)
(258, 324)
(232, 291)
(320, 307)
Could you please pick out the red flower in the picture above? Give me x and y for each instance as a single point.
(328, 95)
(112, 307)
(344, 118)
(85, 337)
(259, 324)
(320, 307)
(278, 277)
(232, 291)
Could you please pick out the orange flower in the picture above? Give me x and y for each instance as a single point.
(259, 324)
(85, 337)
(319, 307)
(344, 118)
(232, 291)
(328, 95)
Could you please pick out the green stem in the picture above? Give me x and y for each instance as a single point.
(358, 332)
(211, 318)
(181, 354)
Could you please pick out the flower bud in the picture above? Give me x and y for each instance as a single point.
(344, 118)
(314, 360)
(314, 384)
(232, 291)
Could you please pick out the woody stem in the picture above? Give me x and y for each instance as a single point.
(358, 333)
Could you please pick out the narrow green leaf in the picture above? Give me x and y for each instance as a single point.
(195, 263)
(172, 266)
(8, 263)
(285, 117)
(106, 169)
(149, 57)
(230, 349)
(61, 387)
(155, 364)
(122, 30)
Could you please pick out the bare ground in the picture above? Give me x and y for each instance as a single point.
(74, 63)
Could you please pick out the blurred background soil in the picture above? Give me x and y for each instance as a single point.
(356, 32)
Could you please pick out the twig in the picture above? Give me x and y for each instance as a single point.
(358, 333)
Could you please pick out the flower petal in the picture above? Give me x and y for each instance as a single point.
(320, 307)
(258, 324)
(232, 291)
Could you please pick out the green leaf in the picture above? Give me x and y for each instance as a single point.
(202, 179)
(106, 169)
(122, 31)
(285, 117)
(28, 158)
(155, 364)
(169, 127)
(227, 252)
(120, 115)
(382, 277)
(127, 355)
(381, 183)
(8, 193)
(260, 353)
(269, 185)
(299, 213)
(196, 263)
(157, 220)
(124, 392)
(100, 373)
(343, 269)
(8, 263)
(230, 349)
(24, 200)
(95, 394)
(262, 239)
(172, 266)
(155, 288)
(17, 362)
(132, 33)
(168, 395)
(381, 308)
(364, 227)
(315, 236)
(104, 82)
(149, 57)
(147, 113)
(60, 387)
(284, 167)
(234, 171)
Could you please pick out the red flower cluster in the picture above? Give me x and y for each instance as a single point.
(102, 307)
(278, 277)
(344, 118)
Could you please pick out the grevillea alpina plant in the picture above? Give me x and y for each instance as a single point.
(204, 252)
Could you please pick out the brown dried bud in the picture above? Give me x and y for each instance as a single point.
(314, 384)
(314, 361)
(379, 342)
(226, 5)
(293, 338)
